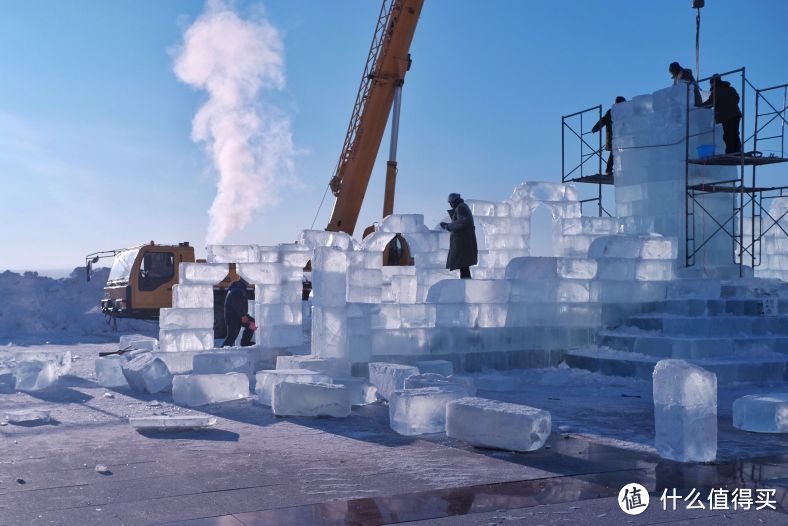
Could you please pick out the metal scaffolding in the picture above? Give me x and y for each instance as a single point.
(585, 164)
(748, 198)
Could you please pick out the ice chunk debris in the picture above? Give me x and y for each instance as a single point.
(685, 411)
(388, 377)
(195, 390)
(423, 410)
(145, 372)
(25, 416)
(34, 375)
(500, 425)
(109, 371)
(171, 422)
(129, 342)
(766, 413)
(310, 399)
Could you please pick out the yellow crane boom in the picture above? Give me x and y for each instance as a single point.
(384, 74)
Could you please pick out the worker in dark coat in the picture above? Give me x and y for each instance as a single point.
(683, 74)
(607, 122)
(236, 315)
(463, 251)
(726, 112)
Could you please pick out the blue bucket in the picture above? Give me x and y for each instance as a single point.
(705, 150)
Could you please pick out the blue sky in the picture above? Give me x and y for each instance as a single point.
(95, 148)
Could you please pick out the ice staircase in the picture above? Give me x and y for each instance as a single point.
(723, 326)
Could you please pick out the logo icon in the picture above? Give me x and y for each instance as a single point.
(633, 499)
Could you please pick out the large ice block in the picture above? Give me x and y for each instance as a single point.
(324, 238)
(145, 372)
(221, 362)
(423, 410)
(500, 425)
(418, 381)
(360, 391)
(310, 399)
(203, 273)
(261, 273)
(329, 277)
(171, 340)
(266, 380)
(192, 296)
(444, 367)
(329, 332)
(767, 413)
(109, 371)
(232, 253)
(34, 375)
(403, 223)
(332, 367)
(388, 377)
(685, 411)
(195, 390)
(469, 291)
(177, 318)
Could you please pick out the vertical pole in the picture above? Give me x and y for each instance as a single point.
(391, 165)
(563, 151)
(599, 158)
(760, 200)
(741, 177)
(686, 184)
(697, 44)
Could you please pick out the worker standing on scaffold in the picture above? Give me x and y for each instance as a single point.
(726, 112)
(607, 122)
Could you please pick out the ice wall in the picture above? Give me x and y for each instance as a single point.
(650, 148)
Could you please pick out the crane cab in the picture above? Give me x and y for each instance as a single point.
(141, 279)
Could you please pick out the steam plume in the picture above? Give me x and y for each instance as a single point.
(237, 62)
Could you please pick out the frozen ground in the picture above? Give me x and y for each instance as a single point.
(357, 470)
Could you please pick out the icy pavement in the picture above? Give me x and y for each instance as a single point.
(251, 462)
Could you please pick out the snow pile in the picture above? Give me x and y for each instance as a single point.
(37, 309)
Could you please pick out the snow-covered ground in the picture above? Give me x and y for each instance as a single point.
(36, 309)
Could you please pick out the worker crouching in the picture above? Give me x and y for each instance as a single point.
(463, 252)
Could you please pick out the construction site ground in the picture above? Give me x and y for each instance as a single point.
(255, 468)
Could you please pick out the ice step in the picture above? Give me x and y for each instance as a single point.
(710, 325)
(664, 346)
(754, 370)
(706, 307)
(653, 343)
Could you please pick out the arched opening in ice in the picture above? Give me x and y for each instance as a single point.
(397, 253)
(540, 243)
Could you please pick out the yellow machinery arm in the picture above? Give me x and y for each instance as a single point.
(384, 73)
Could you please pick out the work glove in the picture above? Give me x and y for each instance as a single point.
(444, 225)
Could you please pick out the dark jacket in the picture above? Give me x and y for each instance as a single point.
(236, 304)
(463, 251)
(686, 76)
(725, 101)
(607, 122)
